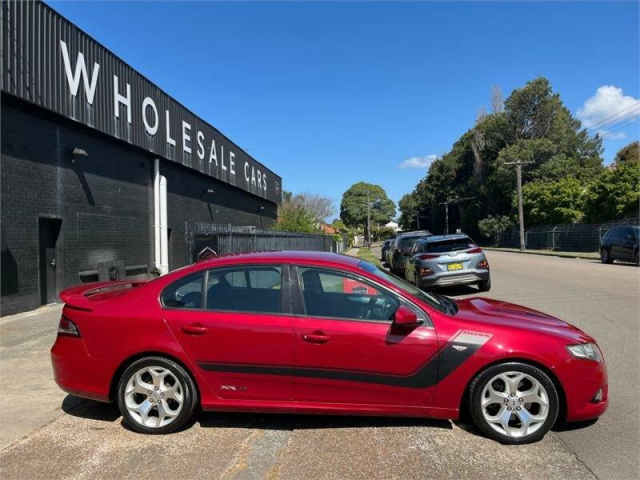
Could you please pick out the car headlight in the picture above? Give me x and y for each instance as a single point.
(588, 351)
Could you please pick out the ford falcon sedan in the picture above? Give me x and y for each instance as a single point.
(312, 332)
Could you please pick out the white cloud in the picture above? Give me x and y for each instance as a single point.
(609, 106)
(607, 135)
(418, 162)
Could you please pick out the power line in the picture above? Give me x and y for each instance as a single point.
(616, 117)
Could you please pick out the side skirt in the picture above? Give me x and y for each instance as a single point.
(316, 408)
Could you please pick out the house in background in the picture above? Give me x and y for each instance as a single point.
(393, 226)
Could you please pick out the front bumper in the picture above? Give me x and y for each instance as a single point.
(582, 379)
(463, 277)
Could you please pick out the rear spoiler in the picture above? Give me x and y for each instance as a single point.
(80, 297)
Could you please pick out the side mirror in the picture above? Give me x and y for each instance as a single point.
(405, 317)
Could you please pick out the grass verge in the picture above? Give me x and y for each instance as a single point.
(367, 255)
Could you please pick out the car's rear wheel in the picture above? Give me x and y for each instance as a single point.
(605, 256)
(156, 395)
(484, 285)
(514, 403)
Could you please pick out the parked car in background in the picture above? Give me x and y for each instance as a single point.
(621, 243)
(316, 332)
(400, 249)
(385, 248)
(446, 260)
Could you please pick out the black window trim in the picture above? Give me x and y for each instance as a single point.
(302, 312)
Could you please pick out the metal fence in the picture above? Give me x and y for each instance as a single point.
(577, 237)
(227, 239)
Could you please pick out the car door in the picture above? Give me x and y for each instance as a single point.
(232, 323)
(347, 349)
(615, 240)
(627, 244)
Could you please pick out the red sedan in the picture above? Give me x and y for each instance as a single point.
(310, 332)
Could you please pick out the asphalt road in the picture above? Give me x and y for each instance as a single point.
(47, 434)
(604, 301)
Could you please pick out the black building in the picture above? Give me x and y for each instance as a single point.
(102, 172)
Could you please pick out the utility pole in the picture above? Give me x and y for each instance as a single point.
(446, 209)
(446, 216)
(519, 165)
(368, 220)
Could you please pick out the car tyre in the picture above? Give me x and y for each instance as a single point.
(484, 285)
(541, 412)
(605, 256)
(152, 387)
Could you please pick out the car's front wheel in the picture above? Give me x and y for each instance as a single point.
(605, 256)
(514, 403)
(156, 395)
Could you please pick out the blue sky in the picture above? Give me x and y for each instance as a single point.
(329, 94)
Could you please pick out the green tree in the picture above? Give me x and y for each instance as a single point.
(408, 206)
(549, 203)
(294, 216)
(492, 227)
(628, 154)
(353, 208)
(534, 126)
(614, 194)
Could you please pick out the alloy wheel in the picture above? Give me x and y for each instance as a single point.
(515, 404)
(154, 396)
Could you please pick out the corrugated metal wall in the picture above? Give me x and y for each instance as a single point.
(227, 239)
(33, 69)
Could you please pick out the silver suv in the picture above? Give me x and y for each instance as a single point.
(446, 260)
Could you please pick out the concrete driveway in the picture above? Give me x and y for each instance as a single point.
(47, 434)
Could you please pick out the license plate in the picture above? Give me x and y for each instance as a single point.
(454, 266)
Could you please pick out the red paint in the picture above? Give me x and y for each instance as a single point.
(120, 320)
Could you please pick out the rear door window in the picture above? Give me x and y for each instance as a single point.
(245, 289)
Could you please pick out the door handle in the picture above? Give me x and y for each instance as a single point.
(316, 338)
(194, 329)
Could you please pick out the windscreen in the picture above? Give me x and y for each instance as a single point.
(439, 302)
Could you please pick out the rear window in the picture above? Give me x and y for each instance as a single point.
(406, 242)
(450, 245)
(185, 292)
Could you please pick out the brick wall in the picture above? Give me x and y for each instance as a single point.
(104, 202)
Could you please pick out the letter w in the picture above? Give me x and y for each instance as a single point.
(81, 69)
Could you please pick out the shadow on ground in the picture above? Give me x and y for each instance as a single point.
(567, 427)
(304, 422)
(106, 412)
(617, 263)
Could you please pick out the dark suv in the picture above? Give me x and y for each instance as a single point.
(385, 246)
(400, 249)
(620, 243)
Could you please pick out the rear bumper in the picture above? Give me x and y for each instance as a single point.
(76, 372)
(464, 277)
